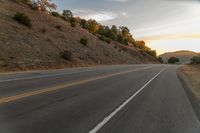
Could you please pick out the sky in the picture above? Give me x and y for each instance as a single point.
(165, 25)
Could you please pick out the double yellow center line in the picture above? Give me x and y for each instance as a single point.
(47, 90)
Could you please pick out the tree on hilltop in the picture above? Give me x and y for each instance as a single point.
(44, 5)
(67, 14)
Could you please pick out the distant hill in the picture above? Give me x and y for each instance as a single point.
(41, 46)
(183, 55)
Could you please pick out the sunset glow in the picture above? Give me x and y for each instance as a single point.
(168, 25)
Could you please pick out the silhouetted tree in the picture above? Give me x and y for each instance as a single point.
(114, 29)
(195, 60)
(93, 26)
(160, 59)
(84, 24)
(173, 60)
(120, 38)
(126, 35)
(151, 52)
(67, 14)
(107, 32)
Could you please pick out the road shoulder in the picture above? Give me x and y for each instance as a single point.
(190, 78)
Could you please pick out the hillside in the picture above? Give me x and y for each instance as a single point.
(183, 55)
(40, 46)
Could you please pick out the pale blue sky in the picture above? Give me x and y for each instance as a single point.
(166, 25)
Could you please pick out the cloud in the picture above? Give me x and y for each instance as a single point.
(182, 0)
(124, 15)
(99, 16)
(172, 37)
(117, 0)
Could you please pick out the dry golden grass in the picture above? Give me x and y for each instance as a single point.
(191, 75)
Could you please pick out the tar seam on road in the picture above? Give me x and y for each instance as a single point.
(41, 91)
(110, 116)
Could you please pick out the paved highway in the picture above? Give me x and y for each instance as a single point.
(112, 99)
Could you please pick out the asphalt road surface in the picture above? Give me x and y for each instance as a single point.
(112, 99)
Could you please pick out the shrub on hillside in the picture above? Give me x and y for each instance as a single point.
(67, 55)
(84, 24)
(55, 14)
(160, 60)
(67, 14)
(108, 41)
(195, 60)
(173, 60)
(105, 39)
(59, 27)
(84, 41)
(102, 38)
(151, 52)
(43, 30)
(73, 22)
(23, 19)
(73, 25)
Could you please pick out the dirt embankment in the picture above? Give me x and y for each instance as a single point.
(39, 47)
(190, 76)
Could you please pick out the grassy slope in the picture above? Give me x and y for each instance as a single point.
(31, 48)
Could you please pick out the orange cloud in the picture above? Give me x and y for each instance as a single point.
(171, 37)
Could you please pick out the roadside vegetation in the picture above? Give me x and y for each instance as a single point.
(173, 60)
(67, 55)
(84, 41)
(195, 60)
(160, 59)
(108, 34)
(23, 19)
(43, 38)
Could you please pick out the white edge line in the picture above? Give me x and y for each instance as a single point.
(105, 120)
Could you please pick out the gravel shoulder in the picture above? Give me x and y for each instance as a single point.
(190, 77)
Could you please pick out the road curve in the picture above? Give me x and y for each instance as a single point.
(109, 99)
